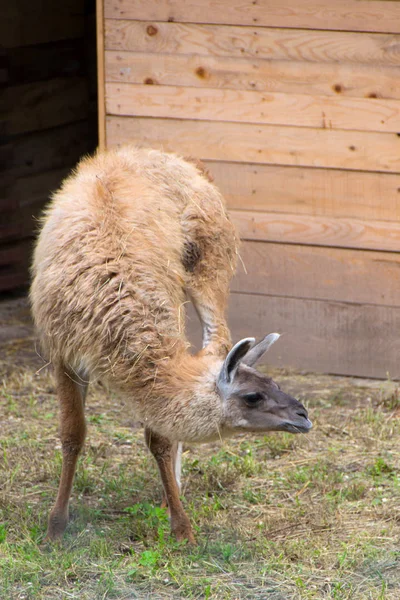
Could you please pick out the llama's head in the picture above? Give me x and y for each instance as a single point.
(253, 401)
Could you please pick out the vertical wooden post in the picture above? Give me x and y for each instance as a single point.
(100, 74)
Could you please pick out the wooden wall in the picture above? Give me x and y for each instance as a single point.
(295, 108)
(48, 115)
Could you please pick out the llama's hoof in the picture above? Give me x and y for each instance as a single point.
(183, 532)
(186, 536)
(56, 527)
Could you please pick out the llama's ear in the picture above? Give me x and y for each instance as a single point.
(233, 360)
(256, 353)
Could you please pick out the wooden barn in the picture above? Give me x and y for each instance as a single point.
(294, 106)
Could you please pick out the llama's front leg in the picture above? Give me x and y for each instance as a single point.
(164, 452)
(177, 448)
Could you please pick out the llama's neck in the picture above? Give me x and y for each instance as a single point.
(184, 404)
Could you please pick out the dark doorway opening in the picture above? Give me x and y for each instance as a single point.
(48, 108)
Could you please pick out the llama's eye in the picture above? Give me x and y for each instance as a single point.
(253, 398)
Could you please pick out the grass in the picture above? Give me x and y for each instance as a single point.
(279, 517)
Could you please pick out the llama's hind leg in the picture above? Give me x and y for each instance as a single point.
(176, 452)
(164, 452)
(178, 464)
(72, 432)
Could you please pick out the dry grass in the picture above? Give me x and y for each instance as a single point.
(279, 517)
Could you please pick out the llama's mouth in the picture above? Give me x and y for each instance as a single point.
(302, 426)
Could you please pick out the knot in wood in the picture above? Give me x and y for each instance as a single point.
(151, 30)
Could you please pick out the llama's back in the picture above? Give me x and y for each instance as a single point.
(109, 271)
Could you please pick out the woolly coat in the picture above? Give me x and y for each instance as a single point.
(128, 235)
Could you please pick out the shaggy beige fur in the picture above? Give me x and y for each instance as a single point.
(109, 282)
(123, 241)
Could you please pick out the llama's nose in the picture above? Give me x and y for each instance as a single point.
(302, 413)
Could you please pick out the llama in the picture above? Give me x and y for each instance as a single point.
(128, 237)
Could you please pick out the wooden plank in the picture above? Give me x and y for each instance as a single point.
(330, 337)
(32, 194)
(26, 198)
(65, 58)
(44, 7)
(101, 102)
(250, 42)
(23, 223)
(292, 271)
(91, 58)
(43, 104)
(25, 23)
(9, 224)
(271, 144)
(13, 253)
(32, 189)
(7, 203)
(8, 208)
(14, 280)
(301, 190)
(352, 15)
(29, 215)
(323, 231)
(10, 231)
(49, 149)
(293, 77)
(15, 258)
(4, 74)
(243, 106)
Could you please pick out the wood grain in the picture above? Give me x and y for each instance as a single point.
(250, 42)
(323, 231)
(271, 144)
(295, 109)
(353, 15)
(44, 104)
(243, 106)
(330, 337)
(318, 273)
(100, 74)
(293, 77)
(307, 191)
